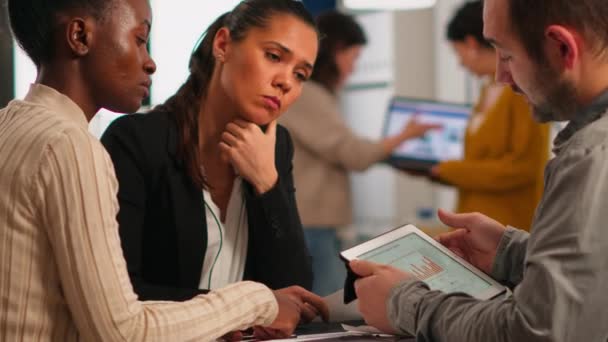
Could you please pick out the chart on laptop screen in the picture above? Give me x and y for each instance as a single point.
(437, 145)
(414, 254)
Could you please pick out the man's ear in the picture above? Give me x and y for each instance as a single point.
(562, 46)
(79, 36)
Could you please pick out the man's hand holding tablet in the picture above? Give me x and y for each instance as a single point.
(373, 288)
(475, 238)
(406, 253)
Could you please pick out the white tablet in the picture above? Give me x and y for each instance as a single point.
(411, 250)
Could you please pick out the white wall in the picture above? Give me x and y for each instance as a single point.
(416, 71)
(177, 26)
(25, 72)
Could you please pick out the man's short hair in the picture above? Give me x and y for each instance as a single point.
(530, 18)
(33, 23)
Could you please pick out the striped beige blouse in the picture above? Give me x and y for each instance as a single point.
(62, 272)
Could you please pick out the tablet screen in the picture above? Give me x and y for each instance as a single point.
(437, 145)
(439, 271)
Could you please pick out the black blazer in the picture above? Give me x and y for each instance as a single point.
(162, 220)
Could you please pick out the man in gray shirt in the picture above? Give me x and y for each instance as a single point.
(556, 53)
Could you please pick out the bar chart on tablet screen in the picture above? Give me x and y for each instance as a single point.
(418, 257)
(421, 266)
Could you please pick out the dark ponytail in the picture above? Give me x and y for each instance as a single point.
(186, 103)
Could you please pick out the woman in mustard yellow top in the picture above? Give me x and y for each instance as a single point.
(505, 150)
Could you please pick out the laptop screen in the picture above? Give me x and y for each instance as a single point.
(437, 145)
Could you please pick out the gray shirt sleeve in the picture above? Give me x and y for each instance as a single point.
(508, 266)
(562, 293)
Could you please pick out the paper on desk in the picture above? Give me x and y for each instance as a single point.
(350, 332)
(320, 337)
(340, 312)
(365, 329)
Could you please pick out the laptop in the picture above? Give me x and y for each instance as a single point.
(437, 145)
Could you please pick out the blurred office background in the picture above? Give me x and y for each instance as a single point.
(406, 55)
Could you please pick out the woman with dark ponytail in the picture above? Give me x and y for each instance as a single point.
(206, 189)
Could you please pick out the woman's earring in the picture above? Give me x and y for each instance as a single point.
(220, 57)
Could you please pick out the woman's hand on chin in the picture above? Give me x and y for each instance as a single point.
(251, 152)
